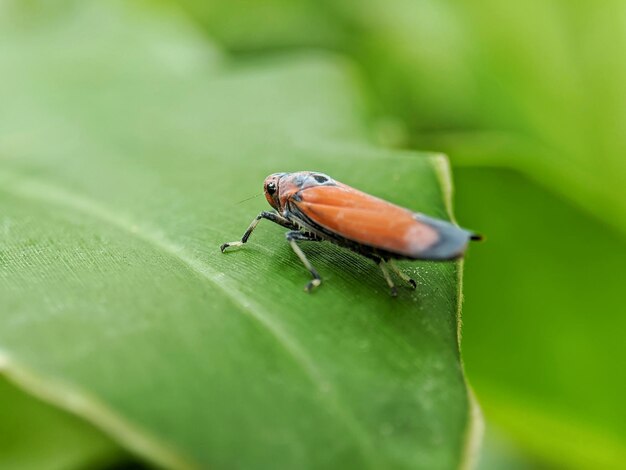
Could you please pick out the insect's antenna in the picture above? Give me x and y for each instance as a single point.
(251, 197)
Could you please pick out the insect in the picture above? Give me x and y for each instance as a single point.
(315, 207)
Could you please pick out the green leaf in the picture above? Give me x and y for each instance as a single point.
(498, 452)
(546, 369)
(125, 144)
(37, 436)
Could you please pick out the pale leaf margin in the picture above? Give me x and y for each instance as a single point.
(475, 424)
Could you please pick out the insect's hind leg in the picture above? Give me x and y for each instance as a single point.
(276, 218)
(296, 236)
(401, 274)
(383, 267)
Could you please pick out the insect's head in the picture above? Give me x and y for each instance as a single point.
(280, 187)
(270, 187)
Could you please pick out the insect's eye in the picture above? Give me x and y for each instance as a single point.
(271, 188)
(320, 178)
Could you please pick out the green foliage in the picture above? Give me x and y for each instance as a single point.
(36, 436)
(125, 144)
(552, 384)
(126, 140)
(536, 87)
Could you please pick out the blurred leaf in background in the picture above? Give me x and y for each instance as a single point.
(550, 370)
(126, 140)
(530, 98)
(34, 435)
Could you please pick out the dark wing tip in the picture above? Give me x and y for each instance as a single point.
(477, 237)
(452, 240)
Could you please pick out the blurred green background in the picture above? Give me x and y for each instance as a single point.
(528, 100)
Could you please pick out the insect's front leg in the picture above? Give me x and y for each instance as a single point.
(292, 238)
(276, 218)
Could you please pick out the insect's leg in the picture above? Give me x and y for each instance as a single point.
(294, 236)
(400, 274)
(276, 218)
(392, 287)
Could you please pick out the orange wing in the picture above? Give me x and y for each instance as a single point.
(371, 221)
